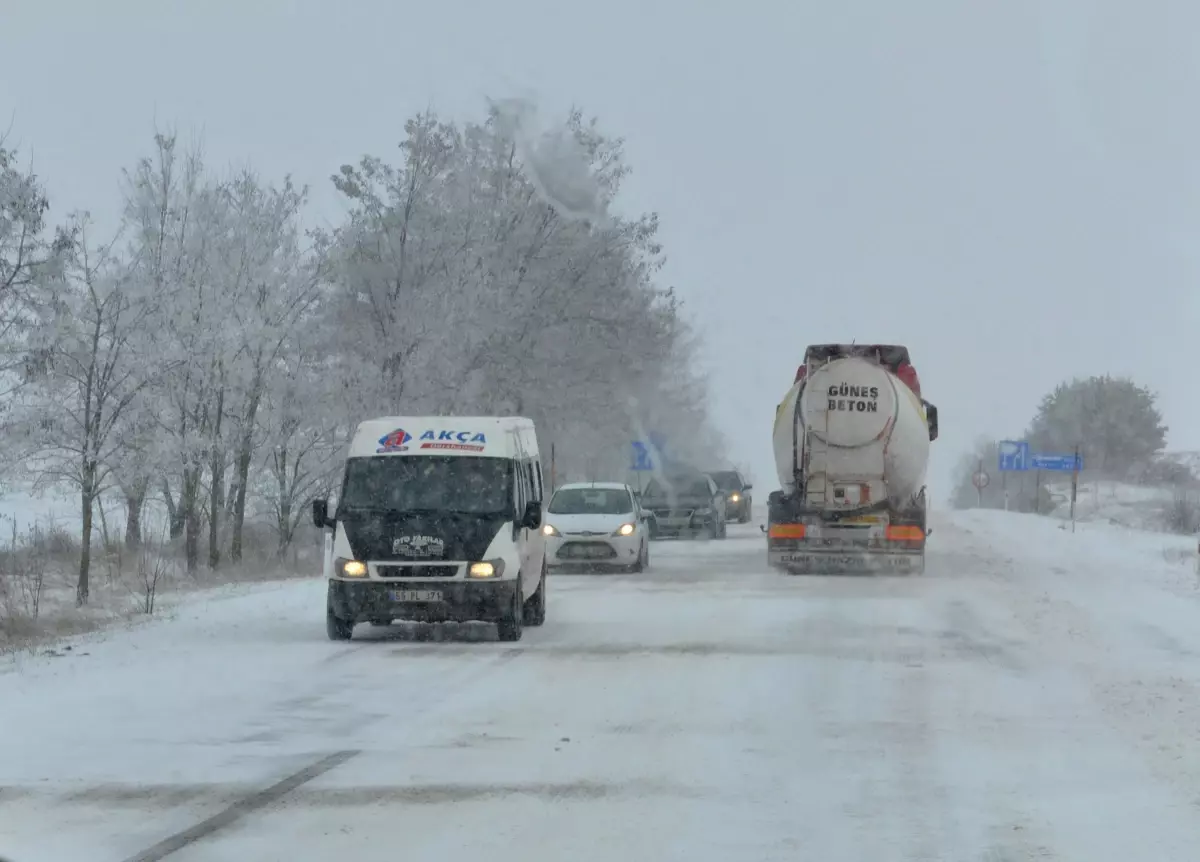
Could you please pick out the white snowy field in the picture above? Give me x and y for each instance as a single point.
(1139, 507)
(1035, 695)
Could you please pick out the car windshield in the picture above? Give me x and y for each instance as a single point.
(687, 486)
(446, 484)
(727, 480)
(591, 501)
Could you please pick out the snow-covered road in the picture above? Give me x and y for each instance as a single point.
(1025, 699)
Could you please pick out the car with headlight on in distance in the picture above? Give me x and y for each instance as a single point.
(738, 502)
(596, 525)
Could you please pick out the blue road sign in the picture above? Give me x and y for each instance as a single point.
(1057, 463)
(642, 462)
(1014, 456)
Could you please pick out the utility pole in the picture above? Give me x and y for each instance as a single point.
(1074, 486)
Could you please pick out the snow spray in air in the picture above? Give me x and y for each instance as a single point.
(555, 161)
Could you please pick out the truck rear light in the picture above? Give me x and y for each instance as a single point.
(786, 531)
(906, 533)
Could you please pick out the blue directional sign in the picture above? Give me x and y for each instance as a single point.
(1014, 456)
(642, 462)
(1058, 463)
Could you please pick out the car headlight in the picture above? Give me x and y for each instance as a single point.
(550, 530)
(486, 569)
(734, 497)
(344, 568)
(625, 530)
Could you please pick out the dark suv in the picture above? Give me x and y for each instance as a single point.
(737, 494)
(685, 503)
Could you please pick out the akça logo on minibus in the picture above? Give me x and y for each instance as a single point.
(459, 441)
(394, 442)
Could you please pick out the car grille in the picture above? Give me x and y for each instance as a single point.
(586, 551)
(673, 513)
(587, 533)
(417, 571)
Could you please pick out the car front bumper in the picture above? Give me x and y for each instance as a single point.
(593, 551)
(460, 601)
(674, 525)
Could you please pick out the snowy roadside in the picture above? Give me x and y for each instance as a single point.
(62, 628)
(39, 564)
(1119, 608)
(1150, 557)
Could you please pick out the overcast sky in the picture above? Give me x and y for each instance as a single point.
(1009, 188)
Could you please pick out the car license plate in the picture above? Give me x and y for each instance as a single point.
(590, 552)
(416, 595)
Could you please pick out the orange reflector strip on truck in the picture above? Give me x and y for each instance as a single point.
(786, 531)
(905, 534)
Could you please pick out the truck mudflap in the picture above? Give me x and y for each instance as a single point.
(802, 549)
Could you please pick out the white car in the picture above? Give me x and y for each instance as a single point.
(596, 524)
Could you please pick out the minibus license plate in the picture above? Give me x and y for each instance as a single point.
(416, 595)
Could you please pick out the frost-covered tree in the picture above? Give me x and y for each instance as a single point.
(28, 257)
(91, 354)
(174, 219)
(301, 436)
(484, 273)
(270, 282)
(467, 282)
(1114, 421)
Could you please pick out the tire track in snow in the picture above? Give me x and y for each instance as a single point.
(247, 805)
(240, 809)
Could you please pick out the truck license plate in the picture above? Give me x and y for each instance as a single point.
(416, 595)
(822, 560)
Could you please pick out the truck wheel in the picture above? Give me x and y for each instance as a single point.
(511, 626)
(534, 612)
(336, 628)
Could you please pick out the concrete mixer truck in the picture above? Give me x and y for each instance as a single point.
(851, 447)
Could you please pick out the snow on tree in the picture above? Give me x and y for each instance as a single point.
(91, 353)
(469, 287)
(1113, 420)
(301, 436)
(271, 283)
(221, 358)
(176, 218)
(27, 258)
